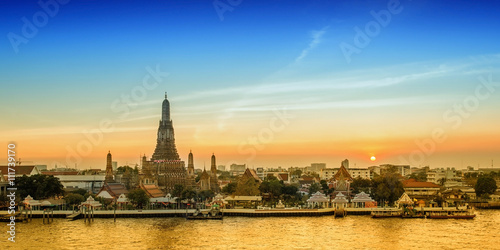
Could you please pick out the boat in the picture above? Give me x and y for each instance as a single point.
(411, 213)
(413, 216)
(386, 214)
(212, 214)
(457, 214)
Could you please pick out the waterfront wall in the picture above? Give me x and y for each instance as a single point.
(232, 212)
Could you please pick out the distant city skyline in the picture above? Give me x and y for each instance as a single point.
(270, 84)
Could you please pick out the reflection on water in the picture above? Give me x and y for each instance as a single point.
(360, 232)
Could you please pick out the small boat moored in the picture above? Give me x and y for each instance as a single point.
(386, 214)
(458, 214)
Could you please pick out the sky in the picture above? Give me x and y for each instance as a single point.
(263, 83)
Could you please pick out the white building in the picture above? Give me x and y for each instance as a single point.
(435, 175)
(328, 173)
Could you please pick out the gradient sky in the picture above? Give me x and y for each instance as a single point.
(274, 69)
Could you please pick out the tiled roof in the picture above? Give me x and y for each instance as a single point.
(114, 189)
(342, 174)
(412, 183)
(20, 169)
(251, 173)
(283, 177)
(153, 191)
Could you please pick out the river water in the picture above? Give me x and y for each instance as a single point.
(351, 232)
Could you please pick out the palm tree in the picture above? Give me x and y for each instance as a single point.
(442, 181)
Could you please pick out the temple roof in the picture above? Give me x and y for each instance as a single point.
(405, 199)
(362, 197)
(20, 170)
(318, 197)
(204, 175)
(113, 189)
(152, 190)
(250, 173)
(340, 198)
(342, 174)
(283, 177)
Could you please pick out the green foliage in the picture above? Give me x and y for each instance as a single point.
(297, 172)
(361, 185)
(485, 185)
(177, 192)
(188, 193)
(80, 191)
(138, 197)
(420, 176)
(271, 178)
(125, 169)
(247, 186)
(387, 187)
(324, 185)
(225, 175)
(290, 194)
(74, 199)
(439, 200)
(442, 181)
(485, 196)
(39, 186)
(207, 194)
(315, 187)
(230, 188)
(272, 186)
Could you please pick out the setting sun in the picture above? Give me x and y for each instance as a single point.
(373, 158)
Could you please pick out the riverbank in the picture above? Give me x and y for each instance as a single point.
(230, 212)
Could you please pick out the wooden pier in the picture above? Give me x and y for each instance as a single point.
(90, 215)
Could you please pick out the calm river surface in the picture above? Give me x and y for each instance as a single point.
(352, 232)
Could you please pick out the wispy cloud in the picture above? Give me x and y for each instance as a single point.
(316, 36)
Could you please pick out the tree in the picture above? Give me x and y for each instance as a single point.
(206, 194)
(485, 185)
(272, 186)
(188, 194)
(324, 185)
(247, 187)
(80, 191)
(138, 197)
(315, 187)
(439, 200)
(442, 181)
(224, 175)
(290, 194)
(420, 176)
(74, 199)
(361, 185)
(39, 186)
(297, 172)
(387, 187)
(123, 169)
(177, 192)
(230, 188)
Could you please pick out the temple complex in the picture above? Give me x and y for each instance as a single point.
(165, 169)
(210, 181)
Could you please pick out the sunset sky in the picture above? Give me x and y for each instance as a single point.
(262, 83)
